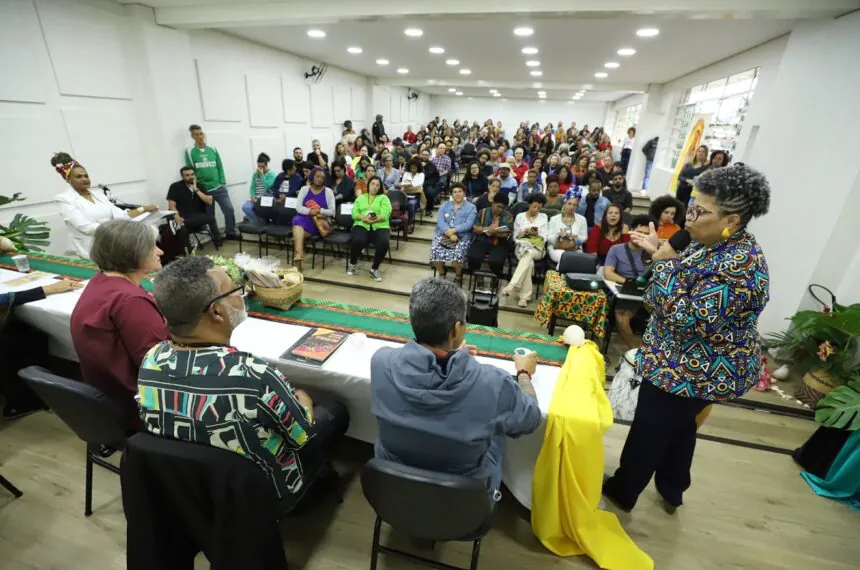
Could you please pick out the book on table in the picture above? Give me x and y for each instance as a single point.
(315, 346)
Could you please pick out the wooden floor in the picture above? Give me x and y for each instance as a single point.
(747, 509)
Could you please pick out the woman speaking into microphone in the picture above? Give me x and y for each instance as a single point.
(701, 344)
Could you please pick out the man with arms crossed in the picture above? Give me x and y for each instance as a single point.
(206, 163)
(440, 409)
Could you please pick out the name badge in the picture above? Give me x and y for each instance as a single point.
(267, 201)
(290, 202)
(346, 209)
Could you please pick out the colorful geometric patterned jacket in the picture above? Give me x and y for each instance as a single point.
(702, 340)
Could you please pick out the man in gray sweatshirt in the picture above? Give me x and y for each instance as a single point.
(437, 407)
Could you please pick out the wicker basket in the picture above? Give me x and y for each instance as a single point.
(283, 297)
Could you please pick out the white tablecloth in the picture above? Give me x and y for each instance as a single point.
(345, 375)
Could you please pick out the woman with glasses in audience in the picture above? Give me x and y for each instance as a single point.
(702, 342)
(390, 175)
(693, 168)
(531, 231)
(669, 214)
(475, 182)
(315, 206)
(610, 231)
(116, 322)
(371, 215)
(453, 233)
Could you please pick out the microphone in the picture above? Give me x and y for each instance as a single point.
(679, 243)
(106, 190)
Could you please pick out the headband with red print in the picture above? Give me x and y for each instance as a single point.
(64, 169)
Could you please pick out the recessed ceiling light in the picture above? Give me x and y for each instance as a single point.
(458, 93)
(317, 34)
(437, 50)
(536, 73)
(541, 92)
(601, 75)
(355, 50)
(382, 62)
(497, 94)
(575, 97)
(413, 32)
(611, 65)
(537, 84)
(533, 63)
(626, 51)
(523, 32)
(452, 90)
(588, 86)
(494, 90)
(402, 70)
(452, 61)
(530, 50)
(465, 71)
(647, 32)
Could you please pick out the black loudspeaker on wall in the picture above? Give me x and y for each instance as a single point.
(483, 305)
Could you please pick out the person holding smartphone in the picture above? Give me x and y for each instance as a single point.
(492, 229)
(371, 214)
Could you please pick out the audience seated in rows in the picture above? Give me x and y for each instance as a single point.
(436, 406)
(262, 185)
(371, 216)
(289, 181)
(230, 399)
(624, 261)
(530, 235)
(315, 203)
(493, 228)
(115, 322)
(453, 233)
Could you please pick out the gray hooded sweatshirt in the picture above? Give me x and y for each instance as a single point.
(443, 420)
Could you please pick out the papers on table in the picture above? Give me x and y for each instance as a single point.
(13, 282)
(153, 218)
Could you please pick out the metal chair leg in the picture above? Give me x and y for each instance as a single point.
(476, 553)
(241, 241)
(374, 551)
(10, 487)
(88, 486)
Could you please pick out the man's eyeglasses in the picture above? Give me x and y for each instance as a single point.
(237, 292)
(695, 212)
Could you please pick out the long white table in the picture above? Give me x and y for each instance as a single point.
(346, 374)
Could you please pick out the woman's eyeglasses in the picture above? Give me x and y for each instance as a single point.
(694, 213)
(237, 292)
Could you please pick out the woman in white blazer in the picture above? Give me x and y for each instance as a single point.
(83, 210)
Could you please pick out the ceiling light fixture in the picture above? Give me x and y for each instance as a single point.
(316, 34)
(465, 71)
(601, 75)
(530, 50)
(382, 62)
(588, 86)
(413, 32)
(494, 90)
(452, 90)
(626, 51)
(523, 32)
(611, 65)
(536, 73)
(355, 50)
(452, 61)
(537, 84)
(402, 70)
(647, 32)
(541, 92)
(533, 63)
(458, 93)
(437, 50)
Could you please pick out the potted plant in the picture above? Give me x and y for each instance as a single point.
(840, 408)
(23, 233)
(825, 345)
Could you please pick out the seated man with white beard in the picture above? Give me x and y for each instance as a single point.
(196, 387)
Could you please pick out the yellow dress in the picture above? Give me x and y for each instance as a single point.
(568, 476)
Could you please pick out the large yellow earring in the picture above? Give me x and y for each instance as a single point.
(726, 233)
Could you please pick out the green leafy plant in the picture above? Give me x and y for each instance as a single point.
(823, 340)
(841, 407)
(25, 233)
(233, 271)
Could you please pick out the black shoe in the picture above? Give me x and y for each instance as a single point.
(233, 237)
(612, 499)
(668, 507)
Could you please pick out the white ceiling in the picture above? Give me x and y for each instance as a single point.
(571, 50)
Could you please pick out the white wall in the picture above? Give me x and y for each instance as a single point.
(513, 111)
(117, 92)
(397, 110)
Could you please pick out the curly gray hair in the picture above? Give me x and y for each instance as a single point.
(181, 290)
(737, 189)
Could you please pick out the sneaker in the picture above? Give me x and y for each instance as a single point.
(350, 270)
(375, 275)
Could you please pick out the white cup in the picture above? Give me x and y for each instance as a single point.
(522, 352)
(21, 263)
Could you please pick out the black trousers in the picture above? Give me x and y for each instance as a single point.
(497, 255)
(361, 237)
(660, 444)
(625, 159)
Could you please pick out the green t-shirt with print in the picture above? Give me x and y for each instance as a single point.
(206, 163)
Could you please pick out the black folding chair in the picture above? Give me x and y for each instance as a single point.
(341, 237)
(426, 505)
(89, 412)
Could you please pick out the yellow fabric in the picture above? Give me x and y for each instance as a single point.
(568, 476)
